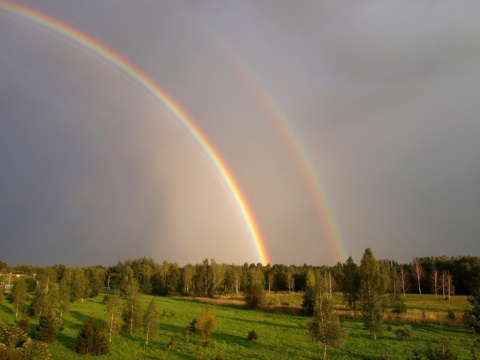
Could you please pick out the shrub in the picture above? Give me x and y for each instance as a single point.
(451, 315)
(206, 323)
(24, 324)
(254, 295)
(252, 335)
(404, 332)
(193, 325)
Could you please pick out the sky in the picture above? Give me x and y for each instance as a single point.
(345, 125)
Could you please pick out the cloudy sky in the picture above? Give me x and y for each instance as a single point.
(380, 99)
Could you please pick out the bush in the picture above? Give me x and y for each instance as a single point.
(451, 315)
(404, 332)
(252, 335)
(193, 325)
(254, 295)
(92, 339)
(24, 324)
(206, 323)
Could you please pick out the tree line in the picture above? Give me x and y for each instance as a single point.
(442, 276)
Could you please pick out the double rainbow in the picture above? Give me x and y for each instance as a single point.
(112, 59)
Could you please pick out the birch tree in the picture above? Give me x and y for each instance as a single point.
(418, 272)
(150, 322)
(113, 316)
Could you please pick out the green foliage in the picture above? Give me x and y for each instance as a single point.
(206, 323)
(91, 339)
(404, 332)
(252, 335)
(46, 330)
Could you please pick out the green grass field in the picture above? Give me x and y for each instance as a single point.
(280, 336)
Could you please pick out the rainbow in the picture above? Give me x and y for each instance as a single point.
(317, 186)
(95, 48)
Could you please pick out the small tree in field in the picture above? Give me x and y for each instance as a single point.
(206, 323)
(255, 290)
(46, 330)
(325, 326)
(372, 312)
(92, 339)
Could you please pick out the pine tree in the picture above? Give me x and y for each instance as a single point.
(92, 339)
(150, 322)
(46, 330)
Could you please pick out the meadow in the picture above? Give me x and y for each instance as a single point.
(281, 335)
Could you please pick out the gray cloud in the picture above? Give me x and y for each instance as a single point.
(383, 95)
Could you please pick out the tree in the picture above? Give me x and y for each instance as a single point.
(65, 292)
(435, 282)
(188, 272)
(91, 339)
(255, 291)
(404, 281)
(46, 295)
(372, 289)
(351, 283)
(113, 316)
(309, 296)
(19, 295)
(132, 314)
(372, 312)
(80, 285)
(325, 326)
(418, 272)
(472, 316)
(206, 323)
(150, 322)
(46, 330)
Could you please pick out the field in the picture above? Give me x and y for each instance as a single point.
(280, 335)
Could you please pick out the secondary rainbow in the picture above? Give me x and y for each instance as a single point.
(99, 50)
(317, 186)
